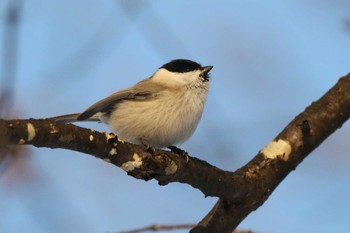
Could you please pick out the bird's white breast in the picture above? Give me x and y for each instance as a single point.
(168, 119)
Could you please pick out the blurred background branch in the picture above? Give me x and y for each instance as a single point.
(158, 228)
(9, 61)
(8, 73)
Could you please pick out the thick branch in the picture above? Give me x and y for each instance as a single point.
(273, 163)
(162, 165)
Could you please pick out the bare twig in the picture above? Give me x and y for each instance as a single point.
(157, 227)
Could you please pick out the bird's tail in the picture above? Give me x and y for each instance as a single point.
(70, 118)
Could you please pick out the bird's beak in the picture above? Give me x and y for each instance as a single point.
(204, 74)
(206, 69)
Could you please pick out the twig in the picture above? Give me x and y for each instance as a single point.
(157, 227)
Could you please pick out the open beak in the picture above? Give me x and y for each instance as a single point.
(205, 71)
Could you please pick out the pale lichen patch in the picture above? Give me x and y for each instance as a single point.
(131, 165)
(21, 141)
(109, 136)
(31, 132)
(121, 140)
(113, 151)
(54, 129)
(277, 149)
(171, 169)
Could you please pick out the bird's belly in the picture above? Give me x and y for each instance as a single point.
(156, 123)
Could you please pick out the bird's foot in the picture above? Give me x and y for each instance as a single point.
(179, 151)
(148, 148)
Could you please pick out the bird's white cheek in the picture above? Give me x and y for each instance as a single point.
(165, 77)
(189, 78)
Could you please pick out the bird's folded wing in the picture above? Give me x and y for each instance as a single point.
(143, 90)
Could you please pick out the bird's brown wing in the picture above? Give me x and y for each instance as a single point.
(144, 90)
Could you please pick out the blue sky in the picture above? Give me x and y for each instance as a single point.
(271, 59)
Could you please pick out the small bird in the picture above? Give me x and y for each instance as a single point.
(160, 111)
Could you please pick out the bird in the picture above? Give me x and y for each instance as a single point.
(158, 112)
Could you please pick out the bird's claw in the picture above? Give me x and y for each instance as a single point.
(179, 151)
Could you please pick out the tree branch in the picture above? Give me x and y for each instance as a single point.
(281, 156)
(158, 227)
(164, 166)
(240, 192)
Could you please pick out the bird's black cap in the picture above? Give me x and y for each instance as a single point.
(181, 66)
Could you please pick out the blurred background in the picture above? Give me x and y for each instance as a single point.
(271, 59)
